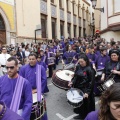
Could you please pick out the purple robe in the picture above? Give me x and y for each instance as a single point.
(7, 87)
(42, 59)
(92, 115)
(100, 61)
(29, 72)
(91, 57)
(10, 115)
(43, 64)
(68, 55)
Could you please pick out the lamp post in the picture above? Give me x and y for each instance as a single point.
(94, 2)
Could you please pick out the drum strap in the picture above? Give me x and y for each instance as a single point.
(38, 82)
(17, 94)
(48, 54)
(44, 59)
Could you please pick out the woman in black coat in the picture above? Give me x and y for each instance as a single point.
(84, 80)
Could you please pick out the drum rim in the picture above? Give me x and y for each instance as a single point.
(61, 79)
(59, 86)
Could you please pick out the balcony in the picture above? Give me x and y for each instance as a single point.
(43, 7)
(53, 11)
(74, 20)
(114, 22)
(69, 17)
(61, 14)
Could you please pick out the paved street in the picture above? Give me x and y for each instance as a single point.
(57, 106)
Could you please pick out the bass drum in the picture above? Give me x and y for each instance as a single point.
(61, 78)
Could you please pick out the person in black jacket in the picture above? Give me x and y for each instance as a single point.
(21, 55)
(84, 80)
(112, 68)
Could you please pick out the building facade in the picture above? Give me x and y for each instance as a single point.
(45, 19)
(110, 19)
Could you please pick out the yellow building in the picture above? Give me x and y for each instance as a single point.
(7, 21)
(46, 18)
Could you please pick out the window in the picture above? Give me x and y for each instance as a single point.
(79, 31)
(2, 25)
(61, 28)
(43, 26)
(84, 32)
(69, 30)
(53, 28)
(52, 1)
(116, 6)
(83, 23)
(74, 30)
(83, 13)
(86, 16)
(73, 6)
(60, 3)
(67, 3)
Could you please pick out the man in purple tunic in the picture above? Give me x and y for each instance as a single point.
(7, 114)
(29, 72)
(7, 87)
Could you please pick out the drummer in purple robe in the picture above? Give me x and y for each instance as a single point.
(40, 62)
(91, 55)
(7, 114)
(102, 59)
(28, 71)
(69, 55)
(43, 56)
(8, 88)
(100, 62)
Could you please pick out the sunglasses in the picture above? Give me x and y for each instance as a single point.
(11, 67)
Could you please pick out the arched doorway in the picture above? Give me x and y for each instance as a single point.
(2, 31)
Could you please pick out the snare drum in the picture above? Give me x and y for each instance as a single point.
(61, 78)
(38, 108)
(75, 97)
(99, 72)
(51, 60)
(106, 84)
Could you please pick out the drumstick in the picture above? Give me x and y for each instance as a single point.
(72, 92)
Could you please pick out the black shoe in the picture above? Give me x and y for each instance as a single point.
(78, 117)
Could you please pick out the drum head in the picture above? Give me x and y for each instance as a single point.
(35, 97)
(109, 83)
(75, 95)
(65, 75)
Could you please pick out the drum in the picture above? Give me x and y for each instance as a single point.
(51, 60)
(106, 84)
(75, 97)
(38, 108)
(61, 78)
(69, 66)
(61, 51)
(99, 72)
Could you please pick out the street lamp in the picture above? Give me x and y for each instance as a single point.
(94, 2)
